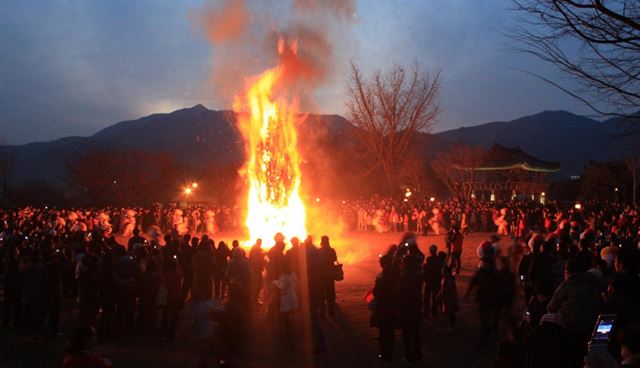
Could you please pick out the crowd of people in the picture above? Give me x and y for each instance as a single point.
(151, 220)
(572, 262)
(569, 262)
(428, 216)
(139, 287)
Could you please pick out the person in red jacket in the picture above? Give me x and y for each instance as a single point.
(81, 350)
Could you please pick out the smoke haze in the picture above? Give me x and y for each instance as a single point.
(245, 36)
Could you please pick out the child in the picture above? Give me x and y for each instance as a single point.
(449, 295)
(286, 284)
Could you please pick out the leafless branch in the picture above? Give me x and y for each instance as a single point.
(596, 44)
(388, 110)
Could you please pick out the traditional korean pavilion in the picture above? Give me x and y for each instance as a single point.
(504, 173)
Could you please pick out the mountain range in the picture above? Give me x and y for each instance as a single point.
(201, 138)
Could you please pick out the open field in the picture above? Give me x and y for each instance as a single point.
(350, 340)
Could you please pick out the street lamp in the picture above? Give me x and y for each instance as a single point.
(194, 185)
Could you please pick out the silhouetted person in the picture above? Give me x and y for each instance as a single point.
(171, 279)
(135, 242)
(274, 268)
(327, 259)
(205, 271)
(313, 265)
(454, 241)
(576, 303)
(239, 278)
(408, 295)
(187, 252)
(295, 256)
(88, 290)
(233, 323)
(33, 280)
(449, 295)
(484, 282)
(432, 272)
(384, 314)
(222, 254)
(52, 280)
(256, 258)
(125, 273)
(148, 287)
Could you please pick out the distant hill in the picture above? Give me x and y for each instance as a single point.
(560, 136)
(202, 138)
(196, 136)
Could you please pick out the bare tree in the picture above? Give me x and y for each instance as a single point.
(389, 109)
(595, 42)
(6, 168)
(605, 181)
(454, 168)
(412, 174)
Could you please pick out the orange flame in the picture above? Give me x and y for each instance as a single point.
(272, 169)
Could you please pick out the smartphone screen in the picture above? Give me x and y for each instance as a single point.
(603, 328)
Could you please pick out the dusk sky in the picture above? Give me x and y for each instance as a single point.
(74, 67)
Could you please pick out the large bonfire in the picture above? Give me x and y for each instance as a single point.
(267, 115)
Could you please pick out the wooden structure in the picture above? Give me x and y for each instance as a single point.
(504, 173)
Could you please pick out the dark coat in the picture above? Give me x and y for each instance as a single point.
(449, 294)
(408, 295)
(432, 271)
(577, 302)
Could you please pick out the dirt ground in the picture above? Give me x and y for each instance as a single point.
(350, 340)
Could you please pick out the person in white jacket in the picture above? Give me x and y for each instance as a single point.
(286, 284)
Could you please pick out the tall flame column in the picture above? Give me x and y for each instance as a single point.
(272, 169)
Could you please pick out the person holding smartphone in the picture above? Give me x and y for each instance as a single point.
(629, 352)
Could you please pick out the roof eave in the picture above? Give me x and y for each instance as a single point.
(523, 166)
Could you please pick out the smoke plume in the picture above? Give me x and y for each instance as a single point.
(246, 37)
